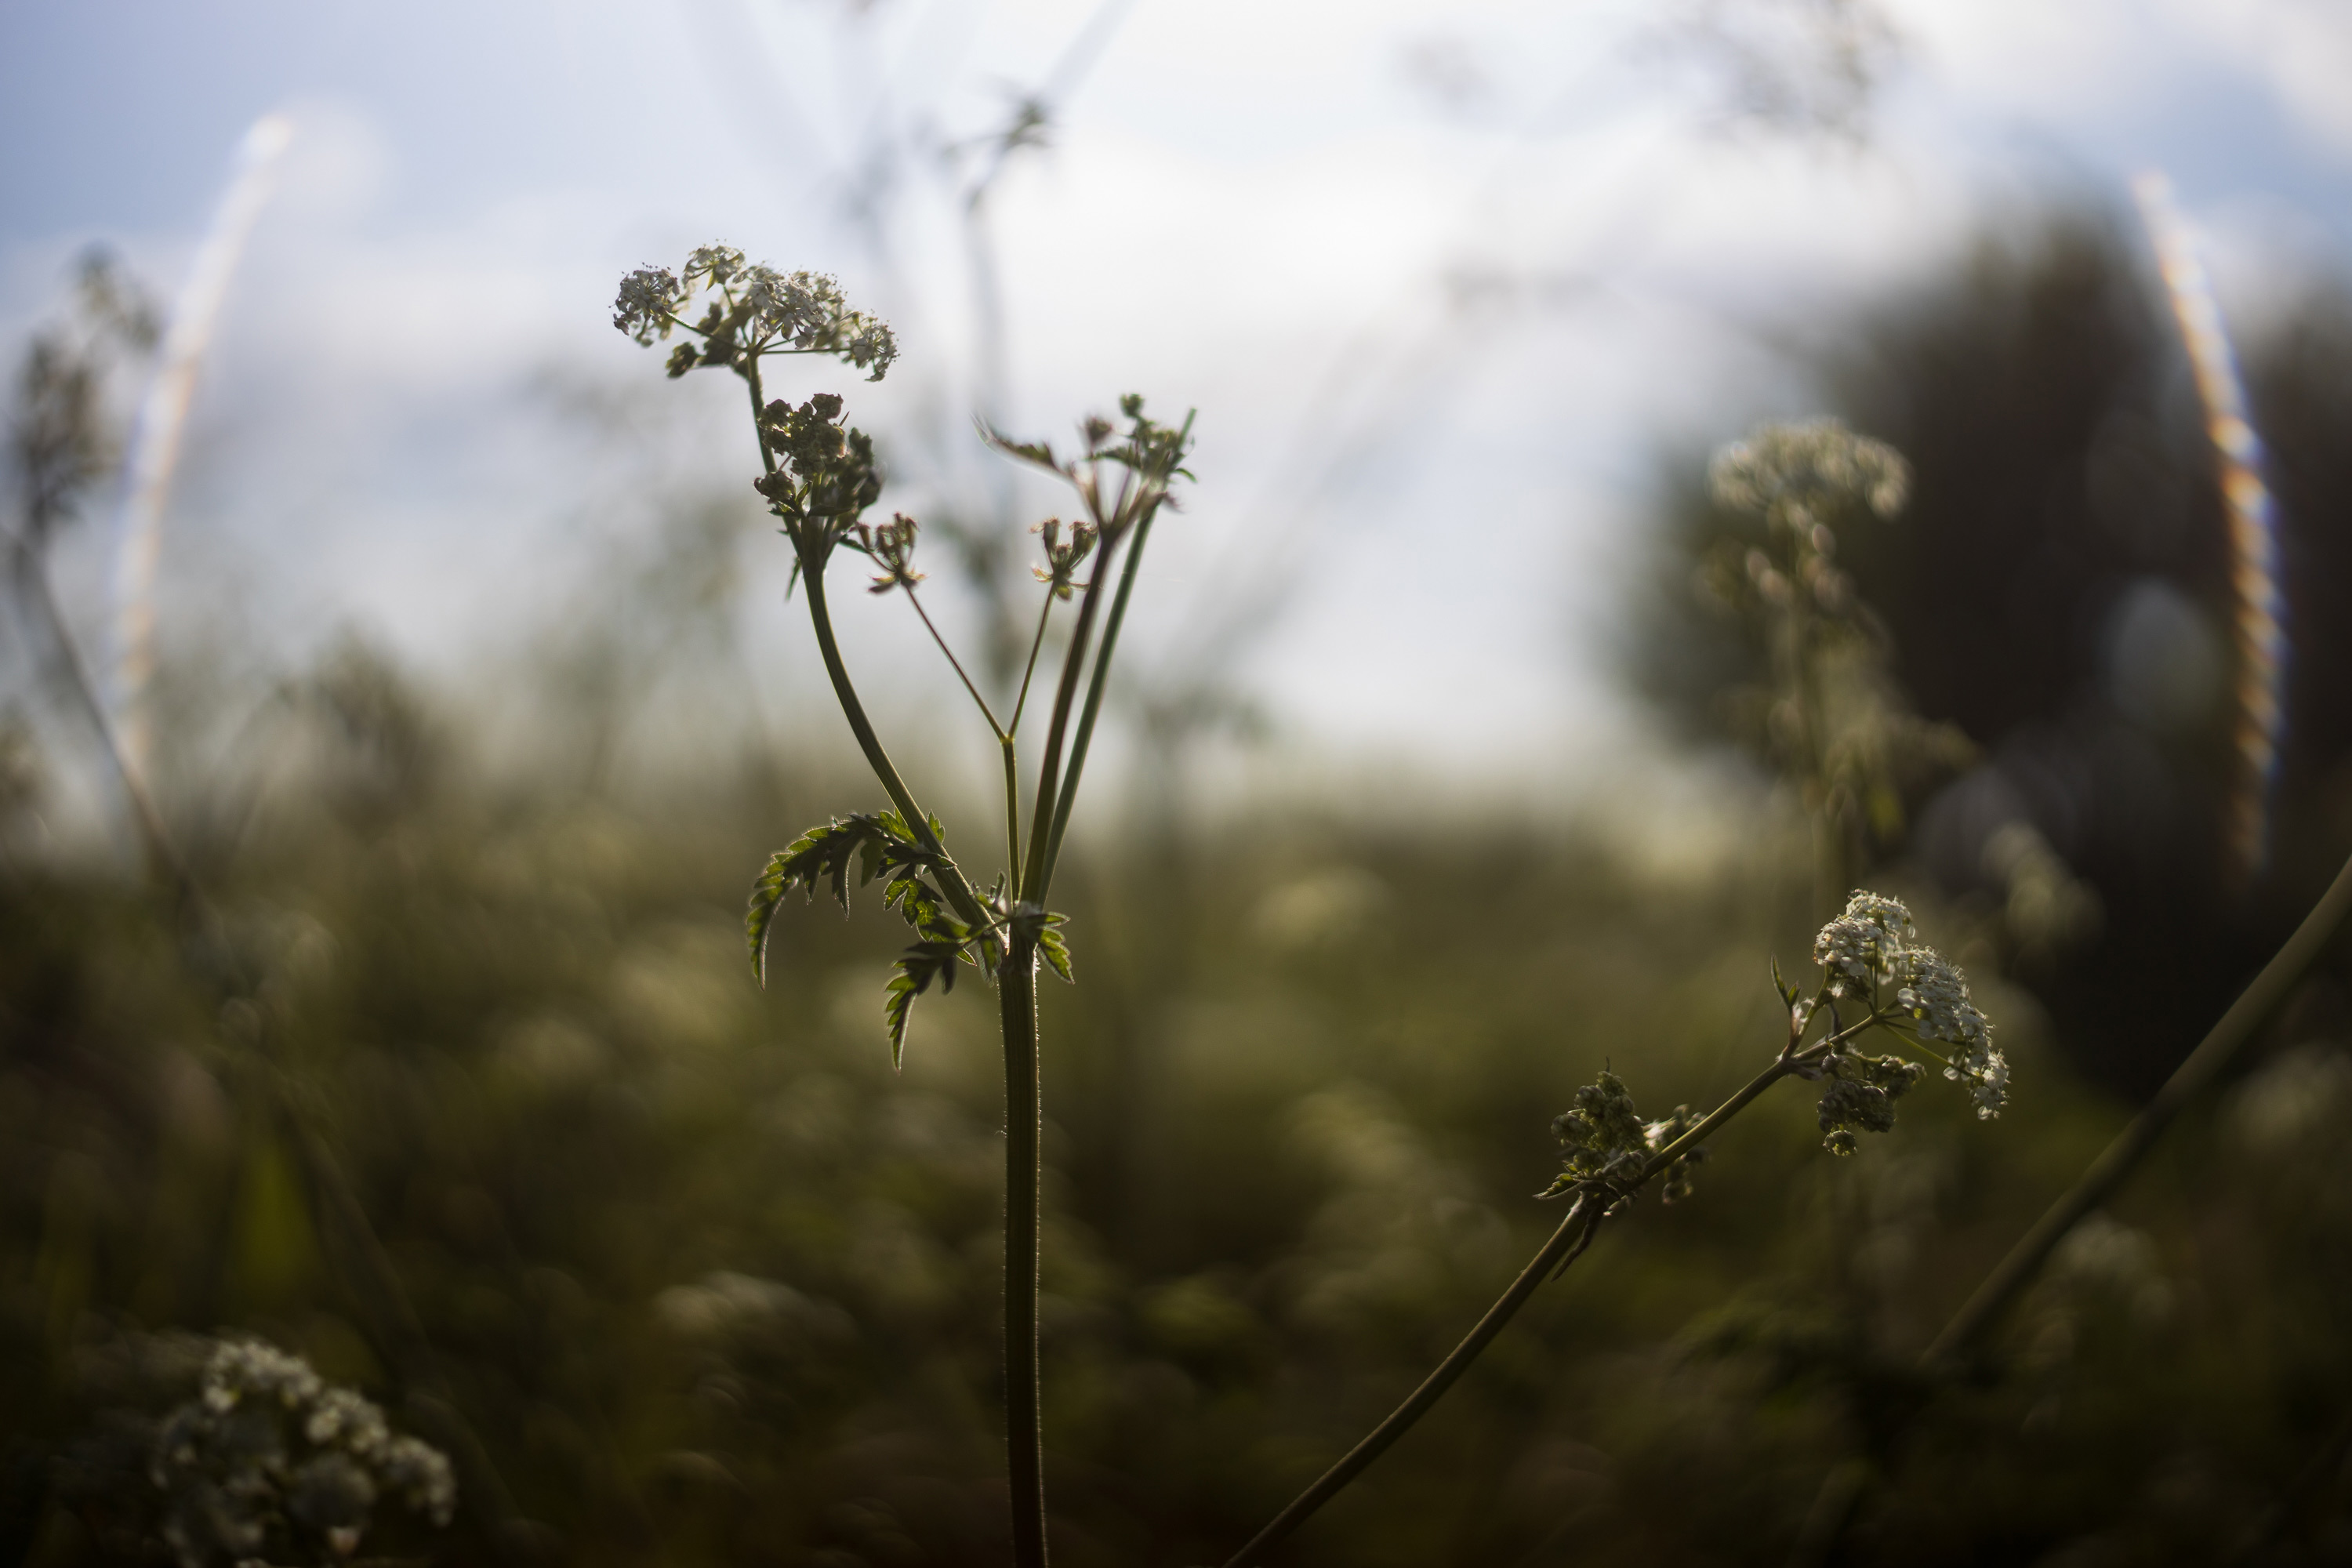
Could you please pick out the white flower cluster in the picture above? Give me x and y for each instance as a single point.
(270, 1459)
(1793, 474)
(1871, 950)
(771, 312)
(1936, 995)
(1863, 949)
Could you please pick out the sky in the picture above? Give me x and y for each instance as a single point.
(1447, 284)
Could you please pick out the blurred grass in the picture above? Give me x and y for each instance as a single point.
(713, 1285)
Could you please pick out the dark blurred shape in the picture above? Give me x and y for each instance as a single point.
(2060, 590)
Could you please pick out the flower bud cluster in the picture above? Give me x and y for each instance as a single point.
(890, 546)
(826, 473)
(1860, 1095)
(1063, 560)
(1604, 1142)
(270, 1458)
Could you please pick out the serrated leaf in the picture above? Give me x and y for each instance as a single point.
(1056, 952)
(917, 967)
(880, 842)
(767, 893)
(1040, 453)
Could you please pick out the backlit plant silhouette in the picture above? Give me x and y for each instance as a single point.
(818, 476)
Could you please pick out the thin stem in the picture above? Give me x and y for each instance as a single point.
(985, 712)
(1717, 1117)
(1012, 809)
(1034, 874)
(2253, 1009)
(759, 414)
(1029, 669)
(951, 880)
(2024, 1262)
(164, 856)
(1565, 1245)
(394, 1329)
(1024, 1114)
(1085, 735)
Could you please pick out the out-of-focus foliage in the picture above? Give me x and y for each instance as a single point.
(711, 1283)
(2058, 591)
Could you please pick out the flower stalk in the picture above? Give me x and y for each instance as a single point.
(818, 476)
(1610, 1155)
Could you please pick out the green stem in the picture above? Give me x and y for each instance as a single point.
(957, 665)
(1034, 875)
(1069, 793)
(1567, 1243)
(1024, 1114)
(951, 880)
(1721, 1114)
(1011, 810)
(2253, 1008)
(1029, 669)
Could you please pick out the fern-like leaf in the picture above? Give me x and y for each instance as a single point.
(880, 842)
(1056, 950)
(917, 967)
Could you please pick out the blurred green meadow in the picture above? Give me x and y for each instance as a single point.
(686, 1275)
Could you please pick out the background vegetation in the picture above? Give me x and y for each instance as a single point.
(701, 1281)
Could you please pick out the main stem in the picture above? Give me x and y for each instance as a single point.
(1016, 983)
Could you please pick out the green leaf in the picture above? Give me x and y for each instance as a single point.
(879, 842)
(917, 967)
(1042, 930)
(1056, 950)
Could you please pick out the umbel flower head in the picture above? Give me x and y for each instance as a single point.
(1871, 954)
(1796, 476)
(751, 310)
(269, 1461)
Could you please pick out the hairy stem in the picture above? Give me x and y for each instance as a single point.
(1565, 1245)
(1023, 1111)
